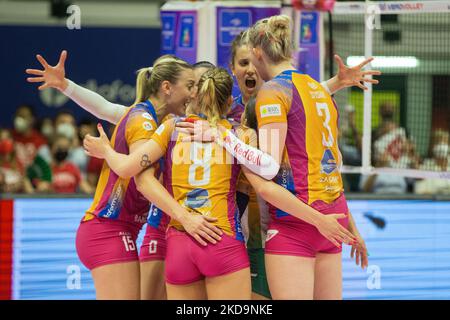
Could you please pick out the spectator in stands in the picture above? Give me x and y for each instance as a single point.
(65, 125)
(12, 172)
(388, 137)
(40, 174)
(387, 122)
(94, 165)
(439, 161)
(47, 128)
(350, 138)
(2, 182)
(66, 177)
(350, 146)
(86, 126)
(383, 183)
(391, 147)
(27, 140)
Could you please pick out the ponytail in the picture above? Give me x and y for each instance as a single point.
(142, 90)
(215, 87)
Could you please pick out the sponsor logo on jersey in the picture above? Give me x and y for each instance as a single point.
(270, 110)
(271, 233)
(317, 94)
(147, 126)
(140, 219)
(250, 155)
(197, 198)
(160, 130)
(313, 86)
(147, 115)
(328, 163)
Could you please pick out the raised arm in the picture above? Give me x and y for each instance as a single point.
(54, 77)
(94, 103)
(124, 165)
(350, 76)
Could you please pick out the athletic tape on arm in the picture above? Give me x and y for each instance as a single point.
(94, 103)
(255, 160)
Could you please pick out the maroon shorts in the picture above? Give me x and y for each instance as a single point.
(103, 241)
(187, 261)
(303, 239)
(153, 247)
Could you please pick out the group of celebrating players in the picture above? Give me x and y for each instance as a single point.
(243, 198)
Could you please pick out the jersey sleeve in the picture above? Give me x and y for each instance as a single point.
(140, 125)
(164, 133)
(271, 105)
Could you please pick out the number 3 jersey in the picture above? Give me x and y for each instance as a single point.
(202, 177)
(311, 158)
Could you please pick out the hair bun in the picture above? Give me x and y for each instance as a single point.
(279, 22)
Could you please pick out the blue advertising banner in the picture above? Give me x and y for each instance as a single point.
(230, 22)
(102, 59)
(168, 24)
(408, 242)
(179, 34)
(309, 54)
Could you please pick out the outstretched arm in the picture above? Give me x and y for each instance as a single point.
(350, 76)
(54, 77)
(94, 103)
(124, 165)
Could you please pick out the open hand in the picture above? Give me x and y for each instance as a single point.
(355, 76)
(51, 76)
(200, 227)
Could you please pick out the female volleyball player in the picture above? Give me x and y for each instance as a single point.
(153, 249)
(200, 177)
(106, 237)
(257, 216)
(346, 77)
(295, 112)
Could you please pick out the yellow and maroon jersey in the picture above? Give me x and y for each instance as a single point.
(117, 198)
(156, 217)
(202, 177)
(311, 157)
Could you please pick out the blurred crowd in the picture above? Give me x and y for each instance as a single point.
(46, 155)
(393, 148)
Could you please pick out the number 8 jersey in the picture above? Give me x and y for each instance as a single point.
(201, 176)
(311, 158)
